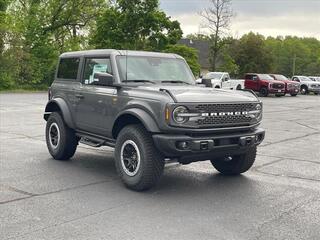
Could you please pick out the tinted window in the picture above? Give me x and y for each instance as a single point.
(95, 65)
(68, 68)
(248, 77)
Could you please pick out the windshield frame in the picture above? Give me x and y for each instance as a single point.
(121, 74)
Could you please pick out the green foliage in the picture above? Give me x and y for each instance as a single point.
(34, 33)
(255, 53)
(190, 54)
(135, 24)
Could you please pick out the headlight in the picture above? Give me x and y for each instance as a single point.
(257, 113)
(178, 114)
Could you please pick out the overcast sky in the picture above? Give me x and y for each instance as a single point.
(268, 17)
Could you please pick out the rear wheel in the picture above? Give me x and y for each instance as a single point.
(61, 140)
(234, 165)
(138, 162)
(293, 94)
(238, 87)
(264, 92)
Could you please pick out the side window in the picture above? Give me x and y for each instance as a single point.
(254, 77)
(95, 65)
(68, 68)
(248, 77)
(296, 79)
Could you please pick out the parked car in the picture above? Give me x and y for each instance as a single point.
(147, 106)
(314, 78)
(307, 85)
(291, 87)
(221, 80)
(264, 84)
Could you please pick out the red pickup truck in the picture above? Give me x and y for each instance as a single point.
(291, 87)
(264, 84)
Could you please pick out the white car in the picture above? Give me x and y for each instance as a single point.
(314, 78)
(307, 85)
(221, 80)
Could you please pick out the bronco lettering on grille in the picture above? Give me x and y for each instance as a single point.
(214, 114)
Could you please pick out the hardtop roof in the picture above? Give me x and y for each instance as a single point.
(107, 52)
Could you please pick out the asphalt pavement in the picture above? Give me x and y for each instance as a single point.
(279, 198)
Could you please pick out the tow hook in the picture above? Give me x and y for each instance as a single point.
(247, 141)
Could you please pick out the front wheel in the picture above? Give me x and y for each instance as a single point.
(61, 140)
(293, 94)
(264, 92)
(234, 165)
(138, 162)
(304, 90)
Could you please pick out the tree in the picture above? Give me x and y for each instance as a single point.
(137, 25)
(217, 19)
(189, 54)
(252, 54)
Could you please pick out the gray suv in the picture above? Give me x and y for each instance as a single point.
(148, 107)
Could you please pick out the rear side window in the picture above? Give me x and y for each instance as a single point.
(68, 68)
(248, 77)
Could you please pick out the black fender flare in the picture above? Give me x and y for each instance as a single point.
(59, 104)
(145, 118)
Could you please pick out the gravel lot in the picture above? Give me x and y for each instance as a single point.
(279, 198)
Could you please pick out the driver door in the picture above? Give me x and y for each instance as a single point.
(226, 84)
(94, 108)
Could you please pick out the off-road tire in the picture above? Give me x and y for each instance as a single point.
(264, 92)
(238, 87)
(304, 90)
(151, 161)
(239, 164)
(68, 141)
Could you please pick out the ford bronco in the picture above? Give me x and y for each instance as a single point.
(148, 107)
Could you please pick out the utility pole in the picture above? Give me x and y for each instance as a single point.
(294, 64)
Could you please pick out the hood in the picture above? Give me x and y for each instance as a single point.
(309, 82)
(202, 94)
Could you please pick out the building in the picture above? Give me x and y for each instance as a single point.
(203, 48)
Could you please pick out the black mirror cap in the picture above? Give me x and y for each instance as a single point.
(104, 79)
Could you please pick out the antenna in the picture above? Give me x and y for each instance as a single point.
(126, 65)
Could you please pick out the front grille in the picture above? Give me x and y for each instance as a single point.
(277, 85)
(225, 107)
(226, 120)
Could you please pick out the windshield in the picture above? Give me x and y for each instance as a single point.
(281, 77)
(265, 77)
(303, 78)
(154, 70)
(213, 75)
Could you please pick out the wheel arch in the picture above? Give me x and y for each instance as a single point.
(134, 116)
(59, 105)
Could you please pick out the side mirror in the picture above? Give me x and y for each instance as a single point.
(103, 79)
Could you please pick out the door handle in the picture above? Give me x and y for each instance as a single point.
(80, 96)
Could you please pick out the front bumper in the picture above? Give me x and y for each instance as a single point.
(276, 91)
(206, 147)
(314, 90)
(292, 90)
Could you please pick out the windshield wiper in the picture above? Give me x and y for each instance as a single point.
(175, 81)
(138, 80)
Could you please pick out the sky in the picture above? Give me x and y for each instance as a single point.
(268, 17)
